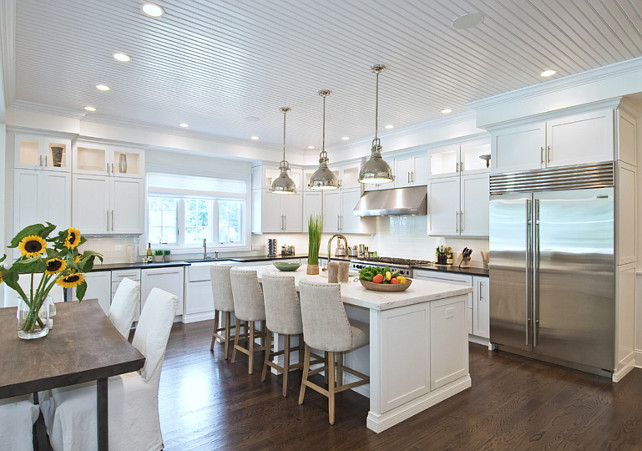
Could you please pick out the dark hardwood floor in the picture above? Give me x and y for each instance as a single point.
(514, 404)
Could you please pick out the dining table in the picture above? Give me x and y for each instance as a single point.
(83, 346)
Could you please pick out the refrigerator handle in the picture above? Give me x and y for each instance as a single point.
(536, 273)
(529, 224)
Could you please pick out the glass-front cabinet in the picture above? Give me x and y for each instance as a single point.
(461, 158)
(98, 159)
(42, 152)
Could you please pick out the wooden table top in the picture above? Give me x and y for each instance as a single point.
(82, 346)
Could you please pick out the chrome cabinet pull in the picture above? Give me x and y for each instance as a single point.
(541, 155)
(338, 222)
(548, 154)
(112, 220)
(456, 221)
(461, 221)
(408, 173)
(46, 160)
(107, 168)
(108, 220)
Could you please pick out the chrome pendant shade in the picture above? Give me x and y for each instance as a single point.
(376, 170)
(323, 178)
(283, 184)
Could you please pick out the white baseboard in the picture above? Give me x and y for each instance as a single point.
(624, 367)
(381, 422)
(195, 317)
(479, 340)
(638, 358)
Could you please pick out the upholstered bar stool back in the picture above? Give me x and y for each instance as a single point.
(248, 308)
(223, 303)
(283, 317)
(326, 327)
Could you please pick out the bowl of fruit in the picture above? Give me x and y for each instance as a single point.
(382, 279)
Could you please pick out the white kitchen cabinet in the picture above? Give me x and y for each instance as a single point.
(199, 300)
(117, 276)
(105, 205)
(170, 279)
(448, 345)
(99, 159)
(338, 215)
(481, 311)
(43, 153)
(276, 212)
(41, 196)
(99, 287)
(411, 170)
(458, 189)
(312, 205)
(574, 139)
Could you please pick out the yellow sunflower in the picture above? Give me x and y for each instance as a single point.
(55, 265)
(0, 275)
(78, 258)
(71, 280)
(73, 238)
(32, 246)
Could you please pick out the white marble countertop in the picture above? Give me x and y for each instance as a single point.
(353, 292)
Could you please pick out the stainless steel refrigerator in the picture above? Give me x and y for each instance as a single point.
(552, 265)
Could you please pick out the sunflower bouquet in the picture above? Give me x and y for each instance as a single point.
(59, 261)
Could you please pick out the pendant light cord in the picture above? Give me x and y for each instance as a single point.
(323, 141)
(377, 105)
(285, 111)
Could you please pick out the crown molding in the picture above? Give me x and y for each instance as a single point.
(47, 109)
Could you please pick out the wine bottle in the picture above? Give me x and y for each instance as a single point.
(149, 251)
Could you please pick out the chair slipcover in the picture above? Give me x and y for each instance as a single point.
(222, 288)
(248, 296)
(70, 413)
(282, 307)
(123, 307)
(325, 323)
(17, 416)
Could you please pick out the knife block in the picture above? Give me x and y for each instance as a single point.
(463, 262)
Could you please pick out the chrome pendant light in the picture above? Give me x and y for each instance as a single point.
(283, 184)
(323, 178)
(376, 170)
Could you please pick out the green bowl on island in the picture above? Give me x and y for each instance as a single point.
(286, 266)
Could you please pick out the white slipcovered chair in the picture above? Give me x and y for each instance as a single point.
(17, 416)
(326, 327)
(223, 303)
(123, 307)
(70, 413)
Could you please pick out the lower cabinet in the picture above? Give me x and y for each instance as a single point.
(477, 319)
(169, 279)
(99, 287)
(117, 276)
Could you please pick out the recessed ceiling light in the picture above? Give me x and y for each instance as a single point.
(252, 119)
(153, 10)
(122, 57)
(102, 87)
(345, 138)
(90, 108)
(548, 73)
(389, 126)
(311, 147)
(446, 111)
(468, 20)
(254, 138)
(183, 124)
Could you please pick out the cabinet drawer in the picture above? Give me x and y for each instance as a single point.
(120, 274)
(435, 276)
(200, 272)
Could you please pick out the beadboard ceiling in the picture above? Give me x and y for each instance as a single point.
(214, 64)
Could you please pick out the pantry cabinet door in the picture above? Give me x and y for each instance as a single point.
(271, 214)
(331, 211)
(519, 148)
(473, 220)
(312, 205)
(91, 209)
(55, 192)
(291, 209)
(127, 206)
(349, 222)
(27, 199)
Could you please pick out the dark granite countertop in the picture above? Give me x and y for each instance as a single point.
(259, 258)
(454, 269)
(139, 265)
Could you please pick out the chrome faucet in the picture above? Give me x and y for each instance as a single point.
(215, 255)
(204, 248)
(338, 236)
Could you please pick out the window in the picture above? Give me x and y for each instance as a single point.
(183, 211)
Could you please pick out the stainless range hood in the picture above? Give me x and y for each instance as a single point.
(397, 201)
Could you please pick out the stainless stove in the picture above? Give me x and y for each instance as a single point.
(403, 265)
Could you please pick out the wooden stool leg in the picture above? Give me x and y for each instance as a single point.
(340, 369)
(331, 386)
(266, 359)
(238, 329)
(300, 352)
(325, 372)
(286, 364)
(228, 319)
(306, 370)
(250, 370)
(215, 330)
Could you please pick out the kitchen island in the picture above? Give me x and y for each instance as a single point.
(418, 351)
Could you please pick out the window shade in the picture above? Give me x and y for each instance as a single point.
(185, 185)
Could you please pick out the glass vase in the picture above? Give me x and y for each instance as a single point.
(33, 323)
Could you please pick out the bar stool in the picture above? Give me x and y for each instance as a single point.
(223, 303)
(249, 308)
(326, 327)
(283, 316)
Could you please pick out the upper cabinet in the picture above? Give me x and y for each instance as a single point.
(273, 213)
(264, 175)
(42, 152)
(411, 170)
(575, 139)
(458, 158)
(98, 159)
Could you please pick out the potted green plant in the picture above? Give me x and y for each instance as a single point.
(166, 254)
(48, 261)
(315, 228)
(158, 256)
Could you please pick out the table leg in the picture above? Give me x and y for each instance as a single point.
(103, 431)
